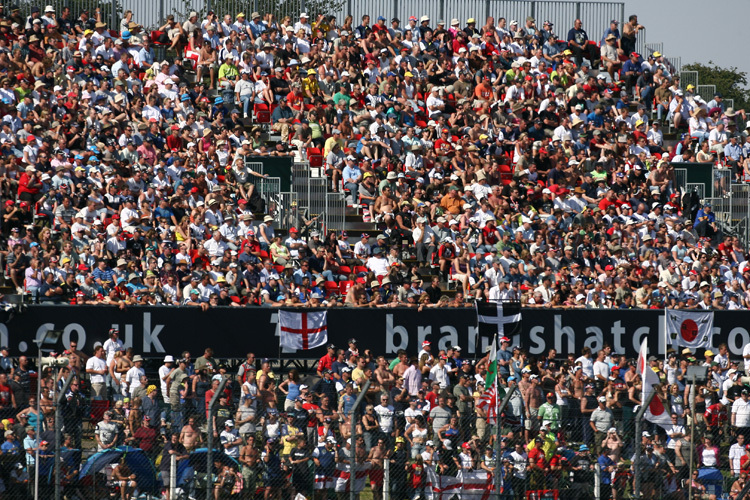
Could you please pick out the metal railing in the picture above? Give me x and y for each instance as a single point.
(674, 64)
(284, 209)
(698, 187)
(300, 183)
(706, 91)
(595, 15)
(739, 212)
(680, 180)
(268, 189)
(722, 182)
(316, 196)
(255, 166)
(335, 212)
(728, 103)
(653, 47)
(688, 78)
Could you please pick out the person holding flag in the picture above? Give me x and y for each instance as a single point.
(489, 400)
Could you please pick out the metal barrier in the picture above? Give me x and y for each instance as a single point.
(706, 91)
(268, 188)
(255, 166)
(654, 47)
(335, 212)
(674, 64)
(698, 187)
(722, 182)
(595, 15)
(283, 208)
(688, 78)
(316, 196)
(680, 180)
(300, 183)
(739, 212)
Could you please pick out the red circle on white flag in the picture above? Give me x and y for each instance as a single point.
(689, 330)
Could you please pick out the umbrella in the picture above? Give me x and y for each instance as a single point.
(135, 458)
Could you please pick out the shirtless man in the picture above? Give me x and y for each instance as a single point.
(386, 202)
(403, 364)
(377, 454)
(190, 435)
(249, 457)
(77, 358)
(384, 376)
(356, 296)
(533, 399)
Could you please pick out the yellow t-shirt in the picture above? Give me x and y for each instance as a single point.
(290, 444)
(310, 84)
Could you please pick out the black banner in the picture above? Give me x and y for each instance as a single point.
(231, 332)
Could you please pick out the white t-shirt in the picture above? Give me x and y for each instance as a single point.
(163, 372)
(133, 378)
(741, 409)
(587, 366)
(111, 348)
(95, 363)
(746, 352)
(736, 452)
(385, 417)
(601, 368)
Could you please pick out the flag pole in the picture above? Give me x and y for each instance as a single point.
(666, 336)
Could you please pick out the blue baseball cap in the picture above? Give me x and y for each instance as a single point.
(583, 448)
(125, 35)
(218, 100)
(185, 97)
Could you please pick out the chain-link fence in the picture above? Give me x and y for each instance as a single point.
(251, 435)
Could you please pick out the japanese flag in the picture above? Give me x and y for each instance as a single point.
(303, 330)
(691, 329)
(656, 412)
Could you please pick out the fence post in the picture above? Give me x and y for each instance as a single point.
(692, 438)
(386, 479)
(598, 481)
(172, 475)
(578, 10)
(353, 465)
(487, 8)
(395, 8)
(442, 9)
(58, 435)
(500, 410)
(210, 439)
(637, 444)
(162, 17)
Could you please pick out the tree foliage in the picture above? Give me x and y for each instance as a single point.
(731, 82)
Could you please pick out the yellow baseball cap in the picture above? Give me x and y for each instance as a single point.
(690, 87)
(241, 14)
(408, 73)
(312, 72)
(567, 52)
(657, 54)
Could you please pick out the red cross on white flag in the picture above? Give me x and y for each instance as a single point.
(303, 330)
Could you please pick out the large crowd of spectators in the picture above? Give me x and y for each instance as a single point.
(508, 160)
(569, 419)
